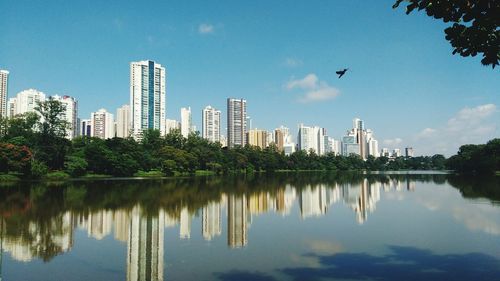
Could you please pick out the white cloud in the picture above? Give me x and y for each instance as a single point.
(206, 28)
(315, 90)
(293, 62)
(470, 125)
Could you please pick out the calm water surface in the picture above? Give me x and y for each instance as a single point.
(282, 227)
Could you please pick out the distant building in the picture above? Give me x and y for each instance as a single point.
(171, 125)
(186, 121)
(279, 139)
(147, 97)
(70, 114)
(312, 138)
(123, 121)
(359, 141)
(236, 122)
(11, 107)
(211, 118)
(257, 137)
(396, 152)
(27, 101)
(385, 152)
(4, 79)
(409, 151)
(102, 124)
(85, 127)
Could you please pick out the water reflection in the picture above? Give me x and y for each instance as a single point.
(39, 223)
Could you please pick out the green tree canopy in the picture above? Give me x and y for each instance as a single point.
(475, 28)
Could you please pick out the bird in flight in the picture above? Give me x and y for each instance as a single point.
(342, 72)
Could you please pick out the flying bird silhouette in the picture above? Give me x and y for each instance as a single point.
(342, 72)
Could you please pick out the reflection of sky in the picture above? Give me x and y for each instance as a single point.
(429, 217)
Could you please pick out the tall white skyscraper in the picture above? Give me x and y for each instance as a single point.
(171, 125)
(11, 107)
(211, 124)
(70, 114)
(314, 138)
(123, 121)
(186, 121)
(4, 79)
(102, 124)
(236, 122)
(147, 97)
(27, 100)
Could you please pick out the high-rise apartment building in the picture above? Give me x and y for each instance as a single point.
(147, 97)
(186, 121)
(85, 127)
(257, 137)
(409, 151)
(171, 125)
(4, 79)
(102, 124)
(312, 138)
(211, 124)
(70, 114)
(123, 121)
(27, 101)
(236, 122)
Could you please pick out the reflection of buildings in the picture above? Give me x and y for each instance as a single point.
(145, 246)
(99, 224)
(185, 224)
(52, 237)
(363, 198)
(211, 224)
(314, 201)
(237, 221)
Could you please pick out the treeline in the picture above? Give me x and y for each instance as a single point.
(33, 146)
(476, 159)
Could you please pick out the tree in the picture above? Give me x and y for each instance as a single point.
(475, 28)
(14, 158)
(52, 123)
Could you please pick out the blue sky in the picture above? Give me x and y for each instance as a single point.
(280, 56)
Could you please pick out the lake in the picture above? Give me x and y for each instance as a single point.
(297, 226)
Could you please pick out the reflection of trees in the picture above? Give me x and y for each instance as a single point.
(477, 186)
(36, 215)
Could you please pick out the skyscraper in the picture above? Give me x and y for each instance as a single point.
(85, 127)
(236, 122)
(171, 124)
(27, 101)
(409, 151)
(211, 124)
(102, 124)
(186, 121)
(123, 121)
(147, 97)
(312, 138)
(4, 79)
(256, 137)
(70, 114)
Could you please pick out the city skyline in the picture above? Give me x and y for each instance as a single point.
(271, 59)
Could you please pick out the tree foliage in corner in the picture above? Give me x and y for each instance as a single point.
(475, 28)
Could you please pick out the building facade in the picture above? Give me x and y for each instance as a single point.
(4, 82)
(102, 124)
(147, 97)
(70, 114)
(123, 121)
(186, 121)
(236, 122)
(211, 118)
